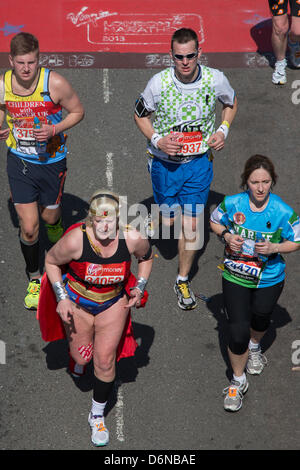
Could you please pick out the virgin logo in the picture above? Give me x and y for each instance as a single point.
(81, 17)
(94, 269)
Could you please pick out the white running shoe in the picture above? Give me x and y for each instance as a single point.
(279, 74)
(256, 362)
(100, 434)
(294, 53)
(234, 395)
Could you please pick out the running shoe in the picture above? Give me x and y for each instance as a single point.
(234, 395)
(33, 291)
(185, 296)
(256, 362)
(294, 53)
(54, 232)
(149, 226)
(279, 74)
(100, 434)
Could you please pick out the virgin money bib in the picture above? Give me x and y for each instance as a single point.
(191, 142)
(105, 274)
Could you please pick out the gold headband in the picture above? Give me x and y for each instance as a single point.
(93, 212)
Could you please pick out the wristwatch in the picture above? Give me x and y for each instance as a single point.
(222, 235)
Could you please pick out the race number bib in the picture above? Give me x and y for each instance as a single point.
(23, 133)
(249, 270)
(244, 265)
(105, 274)
(191, 142)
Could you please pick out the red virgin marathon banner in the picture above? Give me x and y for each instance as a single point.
(137, 34)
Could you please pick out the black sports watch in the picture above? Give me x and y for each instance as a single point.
(222, 235)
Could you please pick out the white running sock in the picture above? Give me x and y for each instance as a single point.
(98, 408)
(181, 278)
(241, 379)
(253, 345)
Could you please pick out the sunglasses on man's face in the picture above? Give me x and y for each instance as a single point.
(188, 56)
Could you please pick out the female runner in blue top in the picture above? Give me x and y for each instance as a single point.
(257, 227)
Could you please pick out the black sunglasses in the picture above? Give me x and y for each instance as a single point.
(188, 56)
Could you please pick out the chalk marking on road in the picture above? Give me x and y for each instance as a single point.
(106, 92)
(109, 170)
(120, 399)
(119, 413)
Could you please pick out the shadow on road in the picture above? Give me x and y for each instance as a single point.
(261, 34)
(57, 357)
(168, 247)
(127, 369)
(74, 209)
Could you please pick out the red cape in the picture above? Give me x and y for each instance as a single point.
(51, 325)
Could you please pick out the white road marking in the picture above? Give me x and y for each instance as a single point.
(109, 181)
(120, 400)
(106, 92)
(109, 170)
(119, 413)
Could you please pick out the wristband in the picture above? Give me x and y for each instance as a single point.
(140, 285)
(223, 234)
(53, 130)
(60, 291)
(223, 128)
(155, 138)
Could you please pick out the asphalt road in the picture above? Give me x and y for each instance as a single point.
(170, 396)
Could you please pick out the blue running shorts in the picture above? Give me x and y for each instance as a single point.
(182, 186)
(30, 182)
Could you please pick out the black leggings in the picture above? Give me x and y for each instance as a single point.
(248, 308)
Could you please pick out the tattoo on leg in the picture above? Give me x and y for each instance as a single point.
(86, 352)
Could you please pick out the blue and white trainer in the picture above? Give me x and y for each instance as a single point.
(100, 434)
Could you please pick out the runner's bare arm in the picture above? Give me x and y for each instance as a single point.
(67, 248)
(167, 144)
(62, 93)
(268, 248)
(229, 112)
(233, 240)
(145, 125)
(3, 132)
(141, 249)
(217, 140)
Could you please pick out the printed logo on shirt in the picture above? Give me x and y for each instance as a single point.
(188, 111)
(239, 218)
(104, 274)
